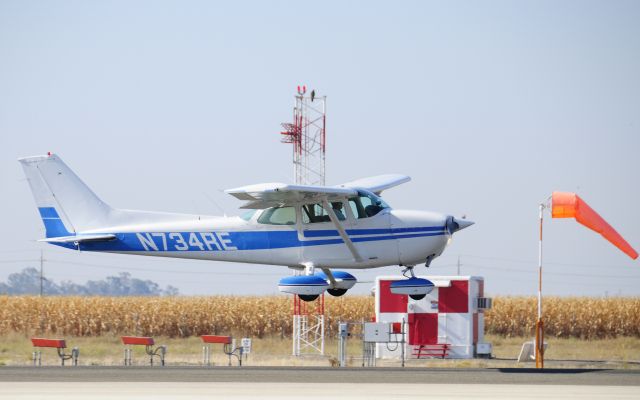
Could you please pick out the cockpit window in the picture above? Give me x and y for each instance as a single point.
(248, 215)
(312, 213)
(278, 216)
(366, 204)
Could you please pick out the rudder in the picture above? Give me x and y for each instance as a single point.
(65, 203)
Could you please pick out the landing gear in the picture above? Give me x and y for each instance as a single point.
(416, 288)
(408, 269)
(413, 276)
(336, 292)
(339, 281)
(311, 285)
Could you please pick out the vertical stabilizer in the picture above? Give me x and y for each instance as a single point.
(66, 204)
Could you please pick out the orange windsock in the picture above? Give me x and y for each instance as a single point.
(570, 205)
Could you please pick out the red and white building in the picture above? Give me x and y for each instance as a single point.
(447, 323)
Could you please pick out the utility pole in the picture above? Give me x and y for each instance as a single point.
(41, 271)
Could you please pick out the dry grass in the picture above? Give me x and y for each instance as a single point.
(584, 318)
(624, 352)
(16, 349)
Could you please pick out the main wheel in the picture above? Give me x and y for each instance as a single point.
(417, 296)
(336, 292)
(308, 297)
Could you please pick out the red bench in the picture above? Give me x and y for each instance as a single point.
(59, 345)
(228, 348)
(149, 348)
(431, 350)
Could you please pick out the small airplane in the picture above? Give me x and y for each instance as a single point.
(305, 228)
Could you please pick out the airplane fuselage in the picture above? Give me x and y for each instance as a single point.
(304, 227)
(391, 237)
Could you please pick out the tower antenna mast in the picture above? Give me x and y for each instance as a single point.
(308, 135)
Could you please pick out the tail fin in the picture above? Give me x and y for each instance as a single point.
(66, 204)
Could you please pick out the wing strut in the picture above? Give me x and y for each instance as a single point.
(341, 231)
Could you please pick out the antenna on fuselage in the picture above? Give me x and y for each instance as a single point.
(224, 213)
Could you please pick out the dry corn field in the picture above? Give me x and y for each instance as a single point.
(586, 318)
(564, 317)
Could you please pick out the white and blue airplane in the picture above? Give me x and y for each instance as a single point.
(306, 228)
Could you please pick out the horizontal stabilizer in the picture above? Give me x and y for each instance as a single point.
(103, 237)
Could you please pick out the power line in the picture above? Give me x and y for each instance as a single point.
(154, 269)
(503, 259)
(573, 275)
(91, 265)
(521, 261)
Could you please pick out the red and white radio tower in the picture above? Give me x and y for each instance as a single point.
(307, 133)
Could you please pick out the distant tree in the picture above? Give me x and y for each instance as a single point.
(71, 288)
(28, 282)
(171, 291)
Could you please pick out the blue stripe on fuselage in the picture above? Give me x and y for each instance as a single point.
(230, 241)
(357, 232)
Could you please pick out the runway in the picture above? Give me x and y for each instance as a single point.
(323, 375)
(313, 383)
(374, 391)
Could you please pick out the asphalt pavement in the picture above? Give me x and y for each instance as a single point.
(514, 376)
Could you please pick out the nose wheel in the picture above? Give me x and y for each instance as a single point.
(416, 288)
(412, 275)
(308, 297)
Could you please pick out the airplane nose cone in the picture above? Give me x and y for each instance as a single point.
(463, 223)
(455, 224)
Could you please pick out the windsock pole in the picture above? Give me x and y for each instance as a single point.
(539, 345)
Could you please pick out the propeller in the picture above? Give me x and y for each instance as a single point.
(453, 225)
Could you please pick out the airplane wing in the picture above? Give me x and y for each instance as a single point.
(265, 195)
(377, 184)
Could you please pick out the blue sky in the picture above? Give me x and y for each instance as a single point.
(489, 106)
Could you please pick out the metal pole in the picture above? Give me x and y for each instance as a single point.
(539, 345)
(458, 265)
(342, 332)
(402, 343)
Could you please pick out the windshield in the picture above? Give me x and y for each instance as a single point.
(278, 216)
(248, 215)
(366, 204)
